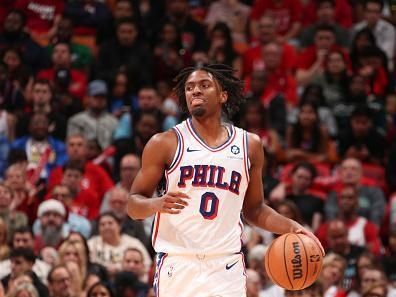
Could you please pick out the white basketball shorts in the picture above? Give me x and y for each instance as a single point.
(200, 276)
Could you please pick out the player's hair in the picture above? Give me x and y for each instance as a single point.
(224, 76)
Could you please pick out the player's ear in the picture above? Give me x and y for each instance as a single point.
(223, 96)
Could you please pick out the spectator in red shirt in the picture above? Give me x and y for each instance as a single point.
(287, 14)
(253, 58)
(84, 202)
(64, 77)
(42, 15)
(311, 59)
(95, 177)
(361, 232)
(279, 80)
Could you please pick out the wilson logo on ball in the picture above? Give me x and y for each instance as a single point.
(296, 261)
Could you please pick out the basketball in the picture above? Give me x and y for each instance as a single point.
(293, 261)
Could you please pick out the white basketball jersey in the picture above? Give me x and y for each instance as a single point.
(216, 180)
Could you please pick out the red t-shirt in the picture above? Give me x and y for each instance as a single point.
(253, 59)
(278, 82)
(95, 179)
(40, 13)
(77, 85)
(285, 13)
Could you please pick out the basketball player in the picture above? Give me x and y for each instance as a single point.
(213, 174)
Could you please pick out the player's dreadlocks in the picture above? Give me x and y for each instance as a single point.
(224, 76)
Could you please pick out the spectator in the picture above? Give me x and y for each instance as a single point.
(13, 219)
(334, 79)
(4, 248)
(88, 16)
(24, 238)
(376, 289)
(299, 190)
(372, 276)
(77, 223)
(253, 57)
(125, 52)
(253, 283)
(133, 261)
(258, 89)
(22, 260)
(221, 48)
(42, 17)
(361, 140)
(314, 93)
(65, 78)
(325, 14)
(95, 178)
(307, 140)
(389, 259)
(82, 57)
(83, 202)
(122, 99)
(117, 204)
(337, 239)
(129, 167)
(254, 118)
(19, 73)
(332, 275)
(361, 232)
(279, 81)
(24, 289)
(59, 282)
(52, 227)
(311, 59)
(14, 35)
(95, 122)
(40, 146)
(234, 13)
(24, 198)
(100, 289)
(371, 199)
(169, 55)
(108, 247)
(126, 283)
(193, 33)
(287, 15)
(362, 39)
(384, 32)
(43, 101)
(370, 66)
(11, 97)
(73, 252)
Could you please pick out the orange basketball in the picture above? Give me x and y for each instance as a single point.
(293, 261)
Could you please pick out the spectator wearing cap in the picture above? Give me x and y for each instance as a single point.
(51, 228)
(95, 122)
(65, 78)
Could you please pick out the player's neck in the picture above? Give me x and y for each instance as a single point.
(210, 130)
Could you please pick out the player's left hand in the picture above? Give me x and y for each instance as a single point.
(310, 234)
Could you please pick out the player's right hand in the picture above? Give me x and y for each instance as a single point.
(172, 202)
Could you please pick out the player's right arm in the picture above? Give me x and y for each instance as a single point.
(157, 154)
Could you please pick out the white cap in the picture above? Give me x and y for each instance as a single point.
(51, 205)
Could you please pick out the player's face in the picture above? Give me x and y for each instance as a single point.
(203, 94)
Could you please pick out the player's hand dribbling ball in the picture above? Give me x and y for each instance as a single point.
(293, 261)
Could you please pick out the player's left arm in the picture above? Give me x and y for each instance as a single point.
(255, 211)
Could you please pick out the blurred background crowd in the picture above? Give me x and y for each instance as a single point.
(84, 84)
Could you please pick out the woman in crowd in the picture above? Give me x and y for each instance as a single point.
(109, 246)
